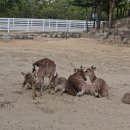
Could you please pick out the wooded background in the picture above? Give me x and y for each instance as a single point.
(66, 9)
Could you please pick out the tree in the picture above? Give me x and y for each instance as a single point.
(65, 9)
(99, 8)
(112, 4)
(95, 4)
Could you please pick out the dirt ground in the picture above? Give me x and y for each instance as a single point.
(18, 111)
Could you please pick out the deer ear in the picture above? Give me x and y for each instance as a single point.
(81, 67)
(23, 74)
(56, 74)
(94, 68)
(75, 70)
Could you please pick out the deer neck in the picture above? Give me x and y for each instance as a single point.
(92, 77)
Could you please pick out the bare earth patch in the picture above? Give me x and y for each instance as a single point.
(55, 112)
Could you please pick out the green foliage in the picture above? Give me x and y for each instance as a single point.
(53, 9)
(61, 9)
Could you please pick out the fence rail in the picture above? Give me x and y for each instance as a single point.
(43, 25)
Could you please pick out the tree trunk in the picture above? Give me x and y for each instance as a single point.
(108, 15)
(99, 4)
(94, 18)
(121, 13)
(129, 12)
(124, 11)
(112, 4)
(117, 13)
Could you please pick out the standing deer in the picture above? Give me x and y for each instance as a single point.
(59, 83)
(99, 87)
(76, 83)
(126, 98)
(46, 68)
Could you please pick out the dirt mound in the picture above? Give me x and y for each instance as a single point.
(123, 24)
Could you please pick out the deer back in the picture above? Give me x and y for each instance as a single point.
(46, 68)
(99, 86)
(59, 81)
(75, 84)
(126, 98)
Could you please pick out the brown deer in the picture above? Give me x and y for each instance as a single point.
(47, 69)
(99, 87)
(76, 83)
(59, 83)
(27, 80)
(126, 98)
(31, 81)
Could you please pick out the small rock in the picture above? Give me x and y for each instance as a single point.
(125, 40)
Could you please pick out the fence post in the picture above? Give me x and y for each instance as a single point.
(8, 25)
(49, 23)
(31, 22)
(27, 25)
(56, 25)
(13, 22)
(85, 25)
(66, 25)
(43, 28)
(69, 22)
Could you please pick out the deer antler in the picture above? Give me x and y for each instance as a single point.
(84, 60)
(70, 62)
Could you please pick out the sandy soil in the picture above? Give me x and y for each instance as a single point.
(18, 111)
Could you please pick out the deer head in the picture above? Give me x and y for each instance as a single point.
(90, 70)
(54, 79)
(29, 78)
(81, 73)
(90, 73)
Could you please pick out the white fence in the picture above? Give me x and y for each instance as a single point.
(42, 25)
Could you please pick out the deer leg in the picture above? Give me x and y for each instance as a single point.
(42, 86)
(82, 92)
(63, 91)
(56, 89)
(34, 91)
(97, 94)
(50, 84)
(104, 93)
(78, 94)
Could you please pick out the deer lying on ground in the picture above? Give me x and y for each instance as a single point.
(46, 68)
(28, 78)
(76, 83)
(59, 84)
(126, 98)
(99, 87)
(32, 82)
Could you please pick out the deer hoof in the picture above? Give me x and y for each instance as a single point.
(78, 94)
(34, 98)
(49, 92)
(96, 94)
(61, 94)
